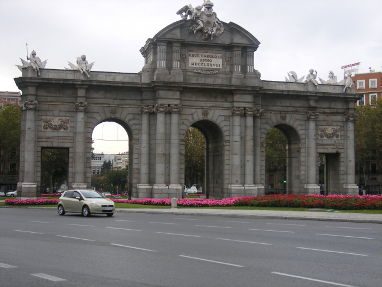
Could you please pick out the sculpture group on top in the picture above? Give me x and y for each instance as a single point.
(33, 61)
(82, 65)
(205, 21)
(312, 77)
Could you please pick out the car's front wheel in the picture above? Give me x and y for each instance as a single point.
(60, 210)
(110, 214)
(85, 211)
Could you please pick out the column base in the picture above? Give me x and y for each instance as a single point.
(351, 189)
(28, 189)
(165, 191)
(145, 190)
(79, 185)
(312, 188)
(236, 190)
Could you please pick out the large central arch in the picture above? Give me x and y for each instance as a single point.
(209, 83)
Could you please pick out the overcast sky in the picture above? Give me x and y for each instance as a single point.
(294, 34)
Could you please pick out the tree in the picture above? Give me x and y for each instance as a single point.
(106, 167)
(195, 146)
(10, 118)
(54, 168)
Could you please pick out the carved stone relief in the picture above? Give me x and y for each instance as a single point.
(55, 124)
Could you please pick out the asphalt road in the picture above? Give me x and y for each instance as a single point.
(40, 248)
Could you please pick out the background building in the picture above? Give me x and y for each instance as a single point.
(369, 87)
(12, 98)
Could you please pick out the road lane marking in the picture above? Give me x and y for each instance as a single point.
(36, 221)
(123, 220)
(312, 279)
(132, 247)
(286, 224)
(237, 221)
(211, 261)
(189, 219)
(345, 236)
(27, 231)
(121, 228)
(75, 238)
(159, 222)
(81, 225)
(48, 277)
(7, 266)
(346, 227)
(271, 230)
(212, 226)
(244, 241)
(178, 234)
(332, 251)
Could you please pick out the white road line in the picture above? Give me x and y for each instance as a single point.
(332, 251)
(345, 236)
(27, 231)
(286, 224)
(271, 230)
(132, 247)
(212, 261)
(123, 220)
(213, 226)
(346, 227)
(178, 234)
(189, 219)
(7, 266)
(237, 221)
(48, 277)
(312, 279)
(244, 241)
(159, 222)
(75, 238)
(36, 221)
(81, 225)
(120, 228)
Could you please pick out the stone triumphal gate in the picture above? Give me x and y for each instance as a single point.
(200, 73)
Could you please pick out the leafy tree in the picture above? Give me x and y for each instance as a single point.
(106, 167)
(10, 117)
(195, 146)
(113, 181)
(54, 168)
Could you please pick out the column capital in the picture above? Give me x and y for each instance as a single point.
(258, 112)
(148, 109)
(249, 111)
(80, 106)
(350, 117)
(161, 108)
(30, 105)
(311, 115)
(174, 108)
(238, 111)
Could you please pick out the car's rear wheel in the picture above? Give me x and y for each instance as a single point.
(60, 210)
(110, 214)
(85, 211)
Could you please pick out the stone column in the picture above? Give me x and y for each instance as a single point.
(79, 142)
(250, 61)
(236, 186)
(176, 72)
(160, 189)
(175, 187)
(144, 188)
(311, 186)
(249, 163)
(237, 73)
(161, 72)
(350, 187)
(257, 140)
(29, 182)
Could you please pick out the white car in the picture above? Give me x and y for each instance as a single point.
(12, 193)
(2, 194)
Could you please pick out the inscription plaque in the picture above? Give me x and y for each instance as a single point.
(205, 60)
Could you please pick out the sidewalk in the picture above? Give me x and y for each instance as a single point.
(300, 215)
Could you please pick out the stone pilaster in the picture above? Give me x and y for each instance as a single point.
(29, 183)
(161, 72)
(176, 72)
(237, 60)
(250, 61)
(350, 187)
(257, 151)
(175, 186)
(249, 186)
(144, 188)
(236, 187)
(80, 139)
(311, 186)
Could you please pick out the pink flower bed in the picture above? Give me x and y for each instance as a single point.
(31, 201)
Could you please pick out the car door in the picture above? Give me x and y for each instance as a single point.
(66, 200)
(76, 203)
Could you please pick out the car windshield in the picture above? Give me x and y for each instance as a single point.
(91, 194)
